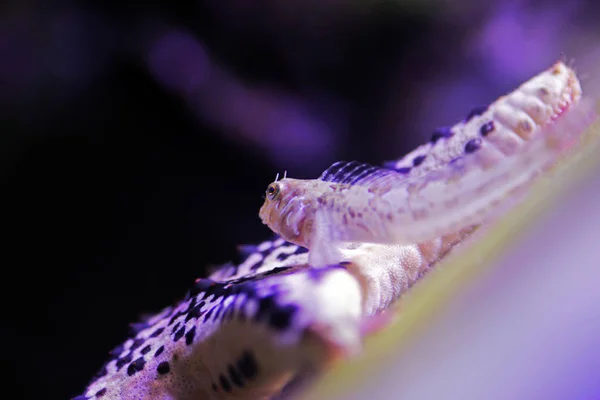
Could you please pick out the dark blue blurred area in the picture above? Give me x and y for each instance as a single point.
(138, 139)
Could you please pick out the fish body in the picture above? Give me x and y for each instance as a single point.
(518, 137)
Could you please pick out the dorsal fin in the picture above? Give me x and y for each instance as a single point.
(358, 173)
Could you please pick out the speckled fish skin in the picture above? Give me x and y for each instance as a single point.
(243, 338)
(524, 133)
(246, 332)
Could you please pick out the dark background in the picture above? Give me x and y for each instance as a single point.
(138, 139)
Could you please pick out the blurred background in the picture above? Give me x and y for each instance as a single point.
(137, 139)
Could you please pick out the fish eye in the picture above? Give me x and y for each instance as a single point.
(272, 191)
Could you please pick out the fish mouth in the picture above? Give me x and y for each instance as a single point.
(264, 213)
(283, 217)
(571, 93)
(269, 217)
(539, 101)
(559, 88)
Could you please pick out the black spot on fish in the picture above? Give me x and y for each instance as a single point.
(189, 336)
(208, 314)
(217, 290)
(179, 334)
(136, 366)
(283, 256)
(173, 319)
(247, 365)
(196, 312)
(441, 133)
(301, 250)
(418, 160)
(486, 128)
(163, 368)
(157, 332)
(472, 145)
(257, 264)
(136, 343)
(224, 383)
(121, 362)
(476, 111)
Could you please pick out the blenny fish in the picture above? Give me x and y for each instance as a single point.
(297, 303)
(503, 150)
